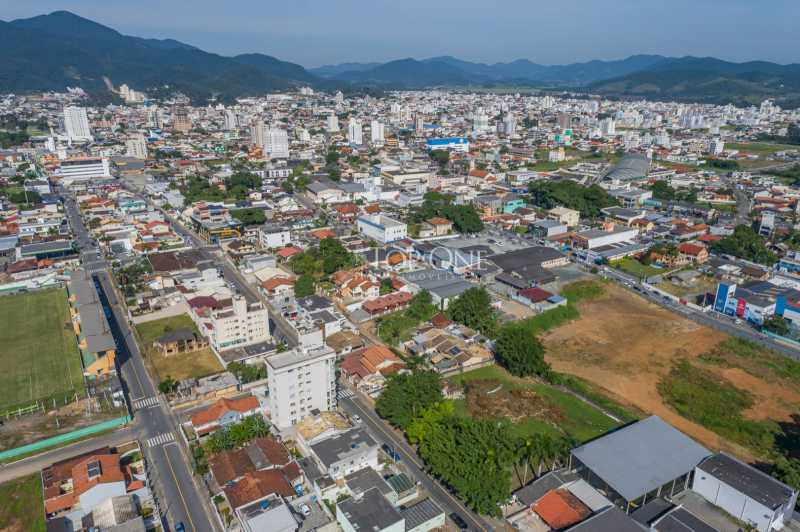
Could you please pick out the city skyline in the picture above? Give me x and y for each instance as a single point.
(314, 33)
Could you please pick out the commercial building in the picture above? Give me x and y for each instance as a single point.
(746, 493)
(610, 235)
(377, 132)
(82, 170)
(96, 343)
(639, 462)
(76, 124)
(566, 216)
(459, 144)
(274, 236)
(300, 381)
(382, 228)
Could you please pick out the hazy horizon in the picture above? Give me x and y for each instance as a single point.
(315, 33)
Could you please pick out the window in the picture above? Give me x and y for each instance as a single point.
(94, 469)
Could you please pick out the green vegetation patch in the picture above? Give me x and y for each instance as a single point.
(754, 359)
(715, 403)
(38, 349)
(22, 507)
(181, 365)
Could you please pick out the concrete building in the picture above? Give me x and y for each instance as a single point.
(382, 228)
(355, 134)
(566, 216)
(370, 512)
(276, 143)
(83, 169)
(595, 238)
(377, 132)
(230, 323)
(332, 123)
(274, 236)
(459, 144)
(136, 146)
(76, 124)
(746, 493)
(301, 380)
(345, 453)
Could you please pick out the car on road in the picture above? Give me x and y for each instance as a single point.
(179, 527)
(357, 419)
(305, 509)
(458, 521)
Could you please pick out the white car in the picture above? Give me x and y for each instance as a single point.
(305, 509)
(357, 419)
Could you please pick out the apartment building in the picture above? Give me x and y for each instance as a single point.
(300, 381)
(230, 323)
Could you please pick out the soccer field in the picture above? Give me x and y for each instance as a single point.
(38, 353)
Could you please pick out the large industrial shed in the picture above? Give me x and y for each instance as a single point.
(745, 492)
(639, 462)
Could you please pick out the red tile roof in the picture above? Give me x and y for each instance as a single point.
(535, 295)
(561, 509)
(257, 485)
(221, 407)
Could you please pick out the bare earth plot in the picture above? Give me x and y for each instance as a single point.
(626, 345)
(38, 351)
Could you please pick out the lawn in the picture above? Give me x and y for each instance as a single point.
(183, 365)
(554, 412)
(701, 285)
(759, 148)
(38, 350)
(636, 268)
(22, 509)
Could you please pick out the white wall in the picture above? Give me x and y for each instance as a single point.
(732, 501)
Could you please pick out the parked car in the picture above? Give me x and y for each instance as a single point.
(459, 521)
(305, 509)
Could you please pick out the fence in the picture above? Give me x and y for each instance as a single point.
(64, 438)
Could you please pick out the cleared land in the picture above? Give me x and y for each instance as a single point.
(22, 509)
(533, 407)
(38, 351)
(180, 366)
(699, 286)
(628, 346)
(637, 269)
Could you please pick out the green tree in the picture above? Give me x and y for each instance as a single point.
(588, 200)
(473, 308)
(304, 286)
(168, 385)
(421, 307)
(473, 458)
(662, 190)
(440, 157)
(787, 470)
(777, 324)
(429, 418)
(520, 352)
(745, 243)
(406, 395)
(251, 216)
(386, 286)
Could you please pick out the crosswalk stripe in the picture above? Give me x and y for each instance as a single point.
(344, 394)
(160, 439)
(145, 403)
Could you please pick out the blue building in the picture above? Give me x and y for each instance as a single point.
(451, 144)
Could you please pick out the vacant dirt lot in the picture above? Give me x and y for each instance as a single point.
(625, 345)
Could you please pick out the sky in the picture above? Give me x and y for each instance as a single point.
(317, 32)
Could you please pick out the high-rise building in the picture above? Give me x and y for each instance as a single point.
(377, 132)
(76, 124)
(339, 98)
(509, 125)
(564, 121)
(301, 381)
(419, 124)
(180, 120)
(231, 120)
(257, 133)
(136, 147)
(154, 118)
(607, 127)
(716, 147)
(276, 143)
(480, 122)
(354, 132)
(332, 124)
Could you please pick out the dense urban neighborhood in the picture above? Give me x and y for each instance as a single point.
(399, 311)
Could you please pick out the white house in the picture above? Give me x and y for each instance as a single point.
(382, 228)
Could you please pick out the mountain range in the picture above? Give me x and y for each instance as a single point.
(51, 52)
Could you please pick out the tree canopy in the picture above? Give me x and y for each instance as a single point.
(326, 258)
(304, 286)
(464, 217)
(250, 216)
(519, 350)
(473, 308)
(572, 195)
(406, 395)
(745, 243)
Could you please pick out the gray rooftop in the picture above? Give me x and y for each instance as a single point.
(681, 520)
(420, 513)
(641, 457)
(365, 479)
(297, 356)
(747, 480)
(337, 448)
(610, 520)
(539, 487)
(370, 512)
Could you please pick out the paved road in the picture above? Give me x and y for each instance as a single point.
(356, 405)
(718, 321)
(34, 464)
(229, 272)
(178, 495)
